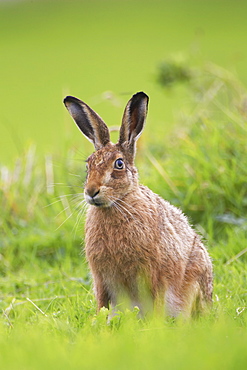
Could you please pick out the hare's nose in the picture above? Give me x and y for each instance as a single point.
(92, 191)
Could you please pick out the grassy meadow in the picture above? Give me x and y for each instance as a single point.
(189, 56)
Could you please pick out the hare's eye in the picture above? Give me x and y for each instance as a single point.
(119, 164)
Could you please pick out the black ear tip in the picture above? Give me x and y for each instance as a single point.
(70, 99)
(141, 95)
(67, 99)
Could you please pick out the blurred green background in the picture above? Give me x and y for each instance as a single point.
(103, 51)
(185, 55)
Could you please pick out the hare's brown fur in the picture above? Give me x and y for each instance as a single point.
(138, 245)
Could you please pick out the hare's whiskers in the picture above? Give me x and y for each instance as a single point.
(120, 209)
(73, 174)
(63, 210)
(133, 208)
(133, 214)
(59, 199)
(80, 215)
(77, 199)
(64, 221)
(115, 204)
(124, 209)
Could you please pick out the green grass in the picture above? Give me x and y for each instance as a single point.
(193, 153)
(48, 309)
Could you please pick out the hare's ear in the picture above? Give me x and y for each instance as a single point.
(133, 119)
(88, 121)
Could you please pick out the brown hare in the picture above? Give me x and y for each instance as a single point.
(139, 247)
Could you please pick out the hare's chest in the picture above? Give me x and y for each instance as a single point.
(114, 250)
(115, 243)
(108, 249)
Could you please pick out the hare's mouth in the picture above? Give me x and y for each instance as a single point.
(95, 201)
(100, 204)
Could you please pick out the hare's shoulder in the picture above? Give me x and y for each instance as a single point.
(167, 208)
(171, 216)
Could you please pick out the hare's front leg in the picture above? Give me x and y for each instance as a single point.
(101, 293)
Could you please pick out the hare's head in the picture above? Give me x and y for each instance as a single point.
(111, 172)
